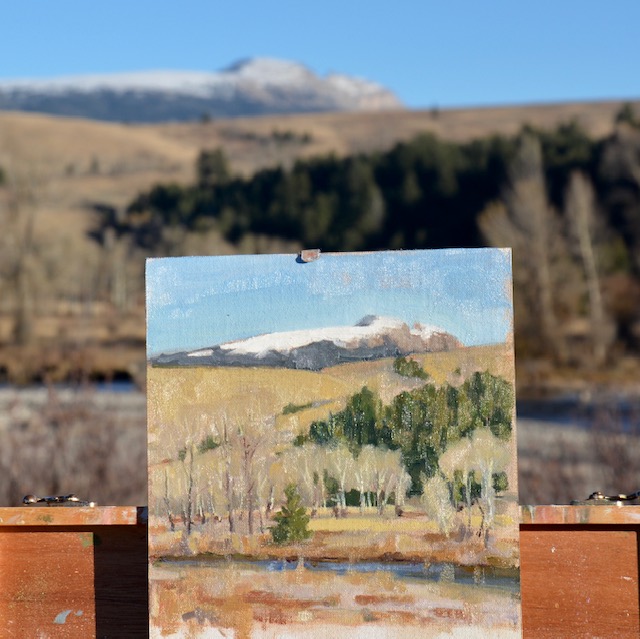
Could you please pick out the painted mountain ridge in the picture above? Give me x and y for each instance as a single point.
(373, 337)
(256, 86)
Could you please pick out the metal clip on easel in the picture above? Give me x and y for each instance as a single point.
(599, 499)
(58, 500)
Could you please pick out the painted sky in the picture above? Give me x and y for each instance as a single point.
(462, 53)
(195, 302)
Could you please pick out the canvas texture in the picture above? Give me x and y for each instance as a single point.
(332, 446)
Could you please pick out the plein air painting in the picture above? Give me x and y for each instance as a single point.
(332, 446)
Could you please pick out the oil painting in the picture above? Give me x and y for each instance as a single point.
(332, 446)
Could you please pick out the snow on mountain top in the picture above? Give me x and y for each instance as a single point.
(425, 330)
(380, 322)
(352, 85)
(370, 327)
(261, 71)
(270, 71)
(158, 80)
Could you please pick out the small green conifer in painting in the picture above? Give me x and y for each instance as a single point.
(292, 520)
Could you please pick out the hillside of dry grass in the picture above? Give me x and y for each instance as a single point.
(71, 164)
(80, 161)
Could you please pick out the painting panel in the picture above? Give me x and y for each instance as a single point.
(332, 446)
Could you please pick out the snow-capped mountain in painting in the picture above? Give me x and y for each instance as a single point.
(373, 337)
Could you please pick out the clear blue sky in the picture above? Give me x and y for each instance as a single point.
(461, 53)
(195, 302)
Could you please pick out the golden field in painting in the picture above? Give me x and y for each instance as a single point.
(354, 537)
(183, 394)
(224, 443)
(187, 404)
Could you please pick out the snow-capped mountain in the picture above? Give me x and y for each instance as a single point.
(373, 337)
(250, 87)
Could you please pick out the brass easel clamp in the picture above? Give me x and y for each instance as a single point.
(58, 500)
(598, 499)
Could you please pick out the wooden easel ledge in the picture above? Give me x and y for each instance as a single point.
(82, 572)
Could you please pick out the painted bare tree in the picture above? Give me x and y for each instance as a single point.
(457, 458)
(387, 474)
(488, 456)
(436, 499)
(248, 438)
(340, 464)
(305, 465)
(363, 473)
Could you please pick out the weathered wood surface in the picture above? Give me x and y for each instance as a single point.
(72, 516)
(69, 572)
(82, 572)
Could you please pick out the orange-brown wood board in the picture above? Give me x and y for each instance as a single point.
(73, 572)
(44, 584)
(81, 573)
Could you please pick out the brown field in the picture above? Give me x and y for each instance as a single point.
(294, 603)
(223, 391)
(378, 375)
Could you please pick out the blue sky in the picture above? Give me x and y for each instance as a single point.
(194, 302)
(462, 53)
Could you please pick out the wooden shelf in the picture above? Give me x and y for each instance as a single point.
(73, 572)
(82, 572)
(579, 571)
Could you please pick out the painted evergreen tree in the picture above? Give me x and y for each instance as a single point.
(292, 520)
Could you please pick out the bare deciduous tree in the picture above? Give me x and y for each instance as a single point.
(19, 252)
(581, 216)
(525, 221)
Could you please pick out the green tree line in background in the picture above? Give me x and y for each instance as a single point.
(421, 423)
(567, 203)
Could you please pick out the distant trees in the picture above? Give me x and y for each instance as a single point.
(421, 424)
(562, 212)
(585, 227)
(21, 251)
(627, 115)
(409, 368)
(525, 220)
(212, 169)
(428, 193)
